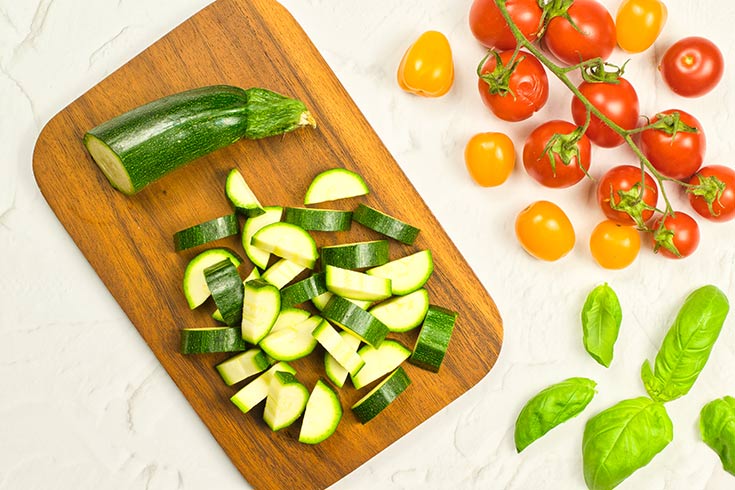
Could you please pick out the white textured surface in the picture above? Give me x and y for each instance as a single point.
(85, 405)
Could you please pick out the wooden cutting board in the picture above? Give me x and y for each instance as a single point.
(128, 240)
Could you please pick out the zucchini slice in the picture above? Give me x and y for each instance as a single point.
(291, 343)
(318, 219)
(254, 274)
(206, 232)
(403, 313)
(381, 396)
(211, 339)
(321, 301)
(195, 286)
(286, 401)
(227, 290)
(336, 373)
(146, 143)
(288, 242)
(379, 362)
(339, 347)
(356, 255)
(322, 415)
(282, 272)
(431, 346)
(334, 184)
(357, 285)
(304, 290)
(259, 257)
(242, 366)
(257, 390)
(407, 274)
(260, 308)
(361, 323)
(242, 198)
(289, 317)
(385, 224)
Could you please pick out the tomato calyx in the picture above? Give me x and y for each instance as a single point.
(671, 124)
(711, 189)
(598, 71)
(664, 238)
(552, 9)
(498, 80)
(631, 202)
(565, 146)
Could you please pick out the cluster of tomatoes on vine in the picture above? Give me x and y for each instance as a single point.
(668, 147)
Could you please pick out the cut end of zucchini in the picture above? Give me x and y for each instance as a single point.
(322, 415)
(307, 119)
(288, 242)
(334, 184)
(286, 401)
(109, 162)
(241, 196)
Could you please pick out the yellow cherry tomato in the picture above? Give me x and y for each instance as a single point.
(614, 246)
(638, 24)
(427, 68)
(544, 231)
(490, 158)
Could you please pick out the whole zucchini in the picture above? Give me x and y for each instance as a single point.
(144, 144)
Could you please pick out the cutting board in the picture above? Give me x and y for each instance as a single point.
(128, 240)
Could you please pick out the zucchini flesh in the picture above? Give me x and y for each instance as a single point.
(206, 232)
(146, 143)
(334, 184)
(407, 274)
(322, 415)
(286, 400)
(370, 330)
(291, 343)
(320, 302)
(288, 242)
(211, 339)
(356, 285)
(195, 286)
(379, 361)
(431, 346)
(356, 255)
(282, 272)
(257, 390)
(318, 219)
(227, 290)
(242, 366)
(304, 290)
(242, 198)
(403, 313)
(385, 224)
(341, 349)
(260, 308)
(289, 317)
(381, 396)
(336, 373)
(257, 256)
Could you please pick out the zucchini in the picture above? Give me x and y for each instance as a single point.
(407, 274)
(431, 346)
(288, 242)
(242, 198)
(304, 290)
(379, 361)
(334, 184)
(206, 232)
(254, 274)
(291, 343)
(257, 390)
(336, 373)
(260, 308)
(385, 224)
(289, 317)
(318, 219)
(286, 400)
(242, 366)
(227, 290)
(361, 323)
(356, 255)
(211, 339)
(403, 313)
(381, 396)
(356, 285)
(257, 256)
(195, 286)
(282, 272)
(321, 301)
(338, 346)
(140, 146)
(322, 415)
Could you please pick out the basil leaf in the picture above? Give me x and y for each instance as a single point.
(687, 345)
(601, 318)
(622, 439)
(551, 407)
(717, 425)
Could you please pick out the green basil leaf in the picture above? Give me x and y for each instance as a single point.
(622, 439)
(717, 425)
(601, 318)
(551, 407)
(687, 345)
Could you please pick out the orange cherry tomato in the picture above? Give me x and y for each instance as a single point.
(490, 158)
(427, 68)
(614, 246)
(544, 231)
(639, 23)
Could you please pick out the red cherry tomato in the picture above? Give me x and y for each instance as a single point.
(678, 238)
(528, 87)
(489, 27)
(619, 102)
(593, 37)
(718, 204)
(692, 67)
(675, 153)
(626, 179)
(550, 170)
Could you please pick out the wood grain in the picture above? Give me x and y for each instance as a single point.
(128, 240)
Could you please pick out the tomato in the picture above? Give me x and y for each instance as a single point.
(692, 67)
(526, 90)
(544, 231)
(618, 102)
(674, 152)
(678, 238)
(614, 246)
(550, 170)
(716, 203)
(593, 37)
(427, 68)
(639, 23)
(490, 158)
(489, 27)
(621, 186)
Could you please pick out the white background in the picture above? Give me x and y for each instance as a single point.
(85, 405)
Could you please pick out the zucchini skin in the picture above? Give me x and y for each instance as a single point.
(154, 139)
